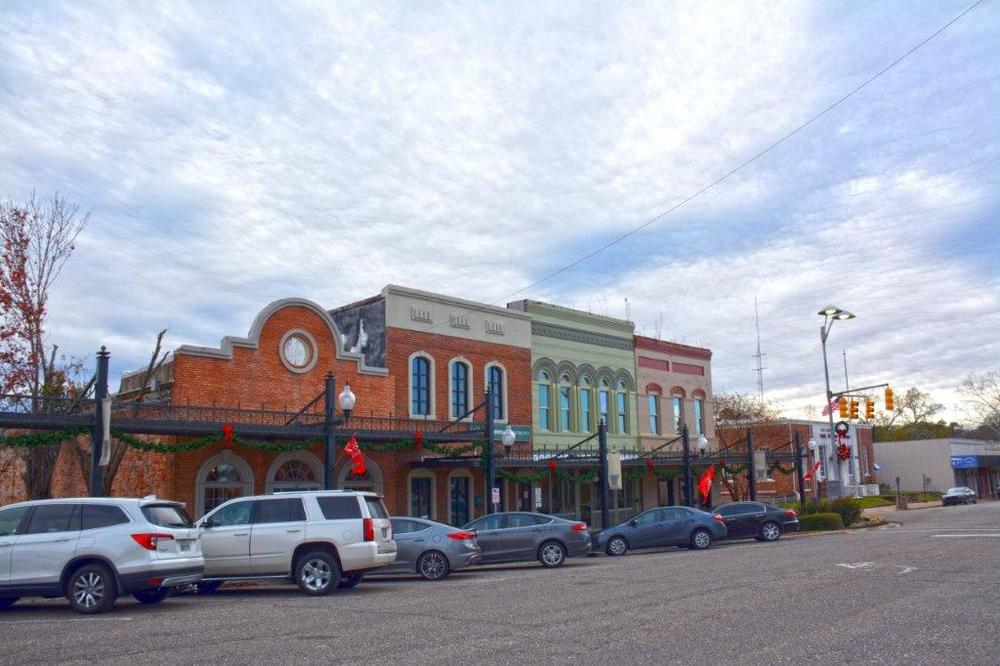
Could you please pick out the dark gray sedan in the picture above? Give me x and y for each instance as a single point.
(430, 549)
(663, 526)
(522, 537)
(757, 520)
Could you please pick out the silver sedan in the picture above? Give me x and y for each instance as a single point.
(430, 549)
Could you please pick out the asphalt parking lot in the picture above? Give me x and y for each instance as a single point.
(927, 592)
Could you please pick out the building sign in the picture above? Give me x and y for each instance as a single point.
(614, 470)
(964, 462)
(522, 433)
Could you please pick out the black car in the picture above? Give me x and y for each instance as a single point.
(756, 520)
(960, 495)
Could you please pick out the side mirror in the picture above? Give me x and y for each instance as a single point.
(207, 523)
(633, 522)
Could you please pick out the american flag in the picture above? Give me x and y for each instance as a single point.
(834, 404)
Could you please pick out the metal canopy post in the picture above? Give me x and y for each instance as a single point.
(602, 451)
(490, 480)
(97, 432)
(329, 432)
(686, 440)
(798, 471)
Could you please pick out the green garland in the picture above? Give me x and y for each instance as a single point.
(523, 478)
(30, 440)
(407, 444)
(781, 468)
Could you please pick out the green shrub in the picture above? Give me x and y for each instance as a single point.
(818, 522)
(822, 506)
(848, 508)
(870, 502)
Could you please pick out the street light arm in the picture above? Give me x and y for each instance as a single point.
(575, 446)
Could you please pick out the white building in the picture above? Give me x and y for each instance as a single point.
(938, 464)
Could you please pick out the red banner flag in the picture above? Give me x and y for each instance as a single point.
(705, 484)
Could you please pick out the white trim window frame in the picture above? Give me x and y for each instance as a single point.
(544, 392)
(453, 413)
(421, 474)
(430, 398)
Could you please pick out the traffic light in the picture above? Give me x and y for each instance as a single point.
(843, 407)
(889, 406)
(854, 408)
(869, 409)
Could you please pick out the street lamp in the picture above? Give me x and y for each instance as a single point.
(830, 314)
(346, 401)
(702, 444)
(507, 437)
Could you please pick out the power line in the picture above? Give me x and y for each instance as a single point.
(750, 161)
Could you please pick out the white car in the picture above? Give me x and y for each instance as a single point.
(92, 550)
(321, 540)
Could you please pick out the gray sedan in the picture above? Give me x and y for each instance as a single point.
(663, 526)
(431, 549)
(522, 537)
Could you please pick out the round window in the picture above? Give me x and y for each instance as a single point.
(298, 351)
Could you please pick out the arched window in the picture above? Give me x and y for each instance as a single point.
(586, 415)
(699, 416)
(495, 379)
(459, 389)
(654, 413)
(295, 470)
(221, 478)
(677, 396)
(420, 386)
(565, 423)
(604, 400)
(544, 400)
(371, 480)
(621, 404)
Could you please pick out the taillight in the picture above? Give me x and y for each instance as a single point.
(149, 540)
(369, 529)
(579, 527)
(461, 536)
(790, 513)
(719, 518)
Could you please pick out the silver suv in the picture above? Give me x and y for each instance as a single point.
(321, 540)
(91, 550)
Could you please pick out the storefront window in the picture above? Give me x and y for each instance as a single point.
(421, 497)
(458, 496)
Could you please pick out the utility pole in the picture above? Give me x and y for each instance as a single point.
(751, 471)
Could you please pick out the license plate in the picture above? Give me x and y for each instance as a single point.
(185, 547)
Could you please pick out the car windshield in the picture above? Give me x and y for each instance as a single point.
(166, 515)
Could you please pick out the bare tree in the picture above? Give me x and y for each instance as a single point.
(733, 413)
(37, 237)
(981, 396)
(118, 448)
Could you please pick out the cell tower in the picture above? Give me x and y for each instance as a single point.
(759, 356)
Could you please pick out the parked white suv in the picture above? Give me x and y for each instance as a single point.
(321, 540)
(93, 549)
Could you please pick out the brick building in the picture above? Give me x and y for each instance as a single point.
(780, 482)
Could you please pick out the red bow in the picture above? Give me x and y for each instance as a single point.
(357, 460)
(552, 466)
(649, 464)
(844, 452)
(418, 439)
(227, 432)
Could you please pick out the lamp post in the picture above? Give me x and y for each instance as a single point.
(686, 442)
(813, 446)
(702, 443)
(508, 436)
(346, 400)
(798, 470)
(830, 314)
(602, 452)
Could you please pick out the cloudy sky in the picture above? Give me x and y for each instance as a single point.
(233, 153)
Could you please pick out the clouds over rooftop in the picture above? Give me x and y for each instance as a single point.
(237, 153)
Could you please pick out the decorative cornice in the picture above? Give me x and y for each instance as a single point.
(252, 341)
(576, 335)
(457, 303)
(675, 348)
(570, 314)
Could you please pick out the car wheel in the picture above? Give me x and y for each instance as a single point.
(151, 596)
(317, 573)
(617, 546)
(209, 587)
(350, 581)
(7, 602)
(552, 554)
(91, 589)
(701, 539)
(770, 531)
(432, 565)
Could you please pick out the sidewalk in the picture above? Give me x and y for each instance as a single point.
(881, 510)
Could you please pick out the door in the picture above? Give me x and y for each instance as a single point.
(458, 489)
(675, 528)
(489, 534)
(10, 520)
(524, 497)
(521, 538)
(411, 540)
(46, 544)
(749, 519)
(225, 539)
(643, 533)
(278, 527)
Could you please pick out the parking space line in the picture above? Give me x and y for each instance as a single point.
(63, 619)
(964, 536)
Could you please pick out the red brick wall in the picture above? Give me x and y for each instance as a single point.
(402, 343)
